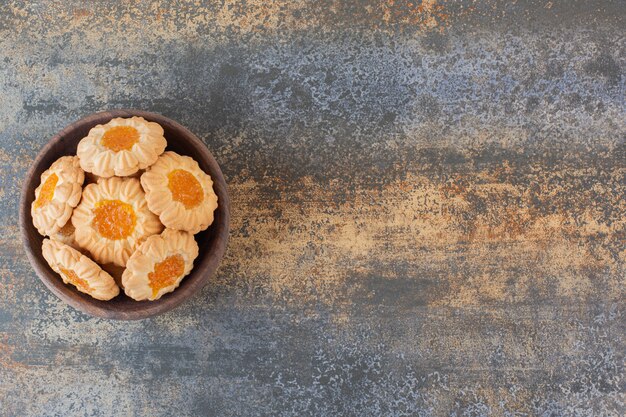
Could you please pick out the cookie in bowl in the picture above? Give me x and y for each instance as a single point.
(57, 195)
(78, 270)
(158, 266)
(180, 193)
(121, 147)
(113, 219)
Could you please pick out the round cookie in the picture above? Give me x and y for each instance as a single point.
(57, 195)
(121, 147)
(78, 270)
(180, 193)
(158, 266)
(113, 219)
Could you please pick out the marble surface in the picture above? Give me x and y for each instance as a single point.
(428, 207)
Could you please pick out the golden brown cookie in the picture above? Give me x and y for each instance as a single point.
(158, 266)
(121, 147)
(113, 219)
(57, 195)
(78, 270)
(180, 193)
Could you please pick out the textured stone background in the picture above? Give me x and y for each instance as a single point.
(428, 207)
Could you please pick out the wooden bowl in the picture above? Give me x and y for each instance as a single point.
(211, 242)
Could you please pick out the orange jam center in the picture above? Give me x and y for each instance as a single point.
(166, 273)
(185, 188)
(114, 219)
(67, 230)
(120, 138)
(71, 276)
(47, 191)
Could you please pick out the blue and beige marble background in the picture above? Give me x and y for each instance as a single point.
(428, 207)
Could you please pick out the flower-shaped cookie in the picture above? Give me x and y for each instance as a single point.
(180, 193)
(113, 219)
(121, 147)
(159, 265)
(57, 195)
(78, 270)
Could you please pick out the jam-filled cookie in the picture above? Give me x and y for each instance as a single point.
(180, 193)
(78, 270)
(57, 195)
(113, 219)
(159, 264)
(121, 147)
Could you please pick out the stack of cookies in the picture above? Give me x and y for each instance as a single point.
(132, 224)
